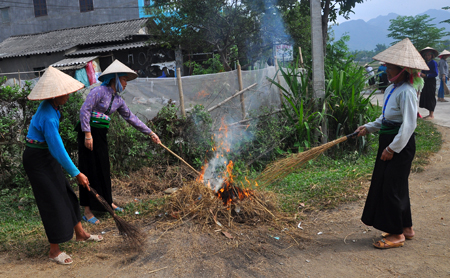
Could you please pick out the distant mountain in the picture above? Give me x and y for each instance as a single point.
(366, 35)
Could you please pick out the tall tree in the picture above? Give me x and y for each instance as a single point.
(418, 29)
(331, 9)
(219, 25)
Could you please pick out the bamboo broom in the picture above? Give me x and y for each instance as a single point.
(281, 168)
(129, 232)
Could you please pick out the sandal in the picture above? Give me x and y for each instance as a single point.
(118, 209)
(387, 234)
(61, 258)
(95, 238)
(386, 244)
(93, 220)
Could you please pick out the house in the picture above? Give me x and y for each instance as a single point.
(26, 17)
(128, 41)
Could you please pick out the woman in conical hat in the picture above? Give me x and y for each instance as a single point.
(93, 155)
(428, 95)
(387, 206)
(42, 159)
(443, 74)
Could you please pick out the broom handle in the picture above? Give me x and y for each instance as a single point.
(197, 172)
(354, 134)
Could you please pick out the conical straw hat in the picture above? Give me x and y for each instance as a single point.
(444, 53)
(118, 67)
(434, 51)
(402, 54)
(54, 83)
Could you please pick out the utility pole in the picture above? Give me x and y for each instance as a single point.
(318, 68)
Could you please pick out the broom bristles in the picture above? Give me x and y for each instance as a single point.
(129, 232)
(283, 167)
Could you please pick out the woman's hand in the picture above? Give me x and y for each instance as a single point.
(88, 141)
(387, 154)
(362, 131)
(83, 180)
(155, 138)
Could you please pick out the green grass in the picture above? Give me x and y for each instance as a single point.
(323, 183)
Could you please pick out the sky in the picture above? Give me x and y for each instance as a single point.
(372, 8)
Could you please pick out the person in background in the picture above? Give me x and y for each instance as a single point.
(443, 74)
(428, 95)
(370, 73)
(92, 129)
(387, 206)
(42, 159)
(383, 81)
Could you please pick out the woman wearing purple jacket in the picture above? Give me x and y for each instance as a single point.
(95, 113)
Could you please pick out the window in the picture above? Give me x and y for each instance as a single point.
(86, 5)
(5, 15)
(40, 8)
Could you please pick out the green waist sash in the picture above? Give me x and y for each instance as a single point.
(99, 123)
(43, 146)
(389, 129)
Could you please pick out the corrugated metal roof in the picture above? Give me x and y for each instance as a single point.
(73, 63)
(62, 40)
(107, 48)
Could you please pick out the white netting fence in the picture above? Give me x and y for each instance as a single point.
(146, 96)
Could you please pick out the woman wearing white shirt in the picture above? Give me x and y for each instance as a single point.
(388, 206)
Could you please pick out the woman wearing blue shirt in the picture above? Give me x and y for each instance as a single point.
(428, 95)
(42, 159)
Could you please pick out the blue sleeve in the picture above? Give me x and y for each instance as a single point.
(433, 69)
(56, 146)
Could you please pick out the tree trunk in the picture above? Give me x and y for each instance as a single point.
(223, 58)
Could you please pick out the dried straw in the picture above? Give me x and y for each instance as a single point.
(281, 168)
(129, 232)
(199, 203)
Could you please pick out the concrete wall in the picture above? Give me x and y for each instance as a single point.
(63, 14)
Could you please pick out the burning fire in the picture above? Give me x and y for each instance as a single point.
(224, 185)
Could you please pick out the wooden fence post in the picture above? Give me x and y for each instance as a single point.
(180, 91)
(301, 56)
(241, 87)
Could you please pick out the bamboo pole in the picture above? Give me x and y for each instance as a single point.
(250, 119)
(180, 91)
(233, 96)
(240, 89)
(278, 80)
(301, 56)
(19, 76)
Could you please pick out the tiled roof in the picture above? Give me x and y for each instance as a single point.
(62, 40)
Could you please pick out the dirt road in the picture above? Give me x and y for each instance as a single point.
(339, 245)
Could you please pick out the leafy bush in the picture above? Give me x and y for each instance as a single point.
(300, 107)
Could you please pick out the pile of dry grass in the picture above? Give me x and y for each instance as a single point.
(198, 203)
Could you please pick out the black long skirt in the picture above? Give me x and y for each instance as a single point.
(388, 206)
(95, 165)
(55, 199)
(428, 95)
